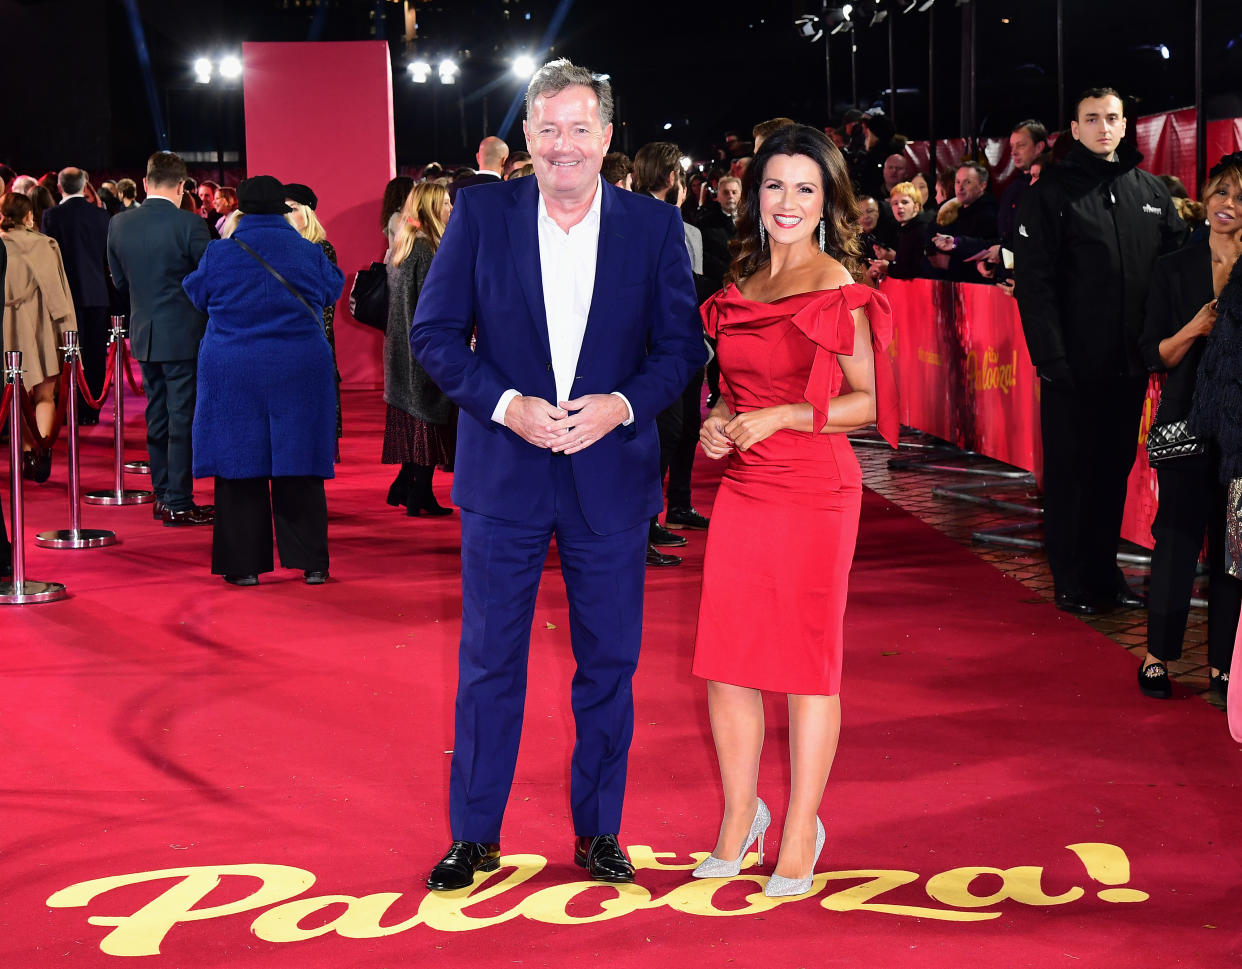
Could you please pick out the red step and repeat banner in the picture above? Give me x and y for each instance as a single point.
(964, 375)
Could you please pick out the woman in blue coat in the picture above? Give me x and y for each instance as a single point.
(265, 417)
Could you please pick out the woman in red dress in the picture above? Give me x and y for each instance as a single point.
(801, 348)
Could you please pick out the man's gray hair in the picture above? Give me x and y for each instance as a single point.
(71, 181)
(555, 76)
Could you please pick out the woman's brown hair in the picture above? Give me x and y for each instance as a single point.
(14, 207)
(840, 214)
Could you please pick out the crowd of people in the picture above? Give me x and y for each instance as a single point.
(230, 292)
(557, 320)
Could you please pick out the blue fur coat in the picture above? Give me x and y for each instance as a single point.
(266, 402)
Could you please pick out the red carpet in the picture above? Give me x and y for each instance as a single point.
(257, 777)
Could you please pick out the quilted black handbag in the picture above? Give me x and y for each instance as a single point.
(1168, 442)
(368, 299)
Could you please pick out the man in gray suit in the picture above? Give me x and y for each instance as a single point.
(151, 248)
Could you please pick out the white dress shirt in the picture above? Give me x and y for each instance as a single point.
(567, 268)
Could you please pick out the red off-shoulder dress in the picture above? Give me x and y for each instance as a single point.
(785, 519)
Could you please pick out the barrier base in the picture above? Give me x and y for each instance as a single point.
(138, 467)
(122, 497)
(76, 538)
(31, 592)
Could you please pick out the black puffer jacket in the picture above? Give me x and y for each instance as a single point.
(1089, 232)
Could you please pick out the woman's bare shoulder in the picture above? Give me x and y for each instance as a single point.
(831, 274)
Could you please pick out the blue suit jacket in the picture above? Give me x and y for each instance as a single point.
(643, 338)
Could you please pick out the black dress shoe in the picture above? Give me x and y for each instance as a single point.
(603, 859)
(316, 576)
(658, 559)
(37, 466)
(1127, 598)
(1079, 605)
(157, 510)
(658, 535)
(456, 869)
(1153, 680)
(685, 518)
(248, 579)
(194, 515)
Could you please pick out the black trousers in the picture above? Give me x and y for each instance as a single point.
(678, 427)
(170, 387)
(93, 339)
(1192, 501)
(245, 509)
(1090, 437)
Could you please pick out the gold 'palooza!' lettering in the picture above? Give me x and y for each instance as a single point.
(140, 933)
(992, 374)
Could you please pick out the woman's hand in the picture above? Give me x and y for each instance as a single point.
(1202, 322)
(878, 269)
(747, 430)
(712, 438)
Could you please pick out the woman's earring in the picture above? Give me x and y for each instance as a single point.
(822, 234)
(763, 237)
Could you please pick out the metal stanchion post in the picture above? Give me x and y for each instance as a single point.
(75, 536)
(118, 495)
(21, 590)
(141, 466)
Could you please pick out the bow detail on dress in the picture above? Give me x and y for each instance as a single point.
(828, 321)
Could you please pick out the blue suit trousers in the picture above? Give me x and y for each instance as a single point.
(502, 563)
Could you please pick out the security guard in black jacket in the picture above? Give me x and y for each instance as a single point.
(1089, 232)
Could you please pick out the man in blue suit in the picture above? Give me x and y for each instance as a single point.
(581, 301)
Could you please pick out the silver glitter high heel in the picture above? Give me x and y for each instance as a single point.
(713, 867)
(779, 886)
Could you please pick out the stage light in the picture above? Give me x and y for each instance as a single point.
(202, 70)
(420, 71)
(523, 65)
(808, 27)
(1164, 51)
(230, 67)
(668, 125)
(837, 17)
(448, 71)
(685, 163)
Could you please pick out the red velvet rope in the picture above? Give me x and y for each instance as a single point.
(136, 387)
(96, 403)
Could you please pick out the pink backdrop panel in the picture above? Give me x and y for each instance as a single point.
(920, 361)
(321, 114)
(964, 375)
(1001, 379)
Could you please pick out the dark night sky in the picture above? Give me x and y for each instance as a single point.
(704, 67)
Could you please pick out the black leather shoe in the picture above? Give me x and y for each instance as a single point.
(456, 869)
(659, 560)
(1220, 684)
(194, 515)
(603, 859)
(1127, 598)
(1079, 605)
(316, 576)
(659, 535)
(157, 510)
(250, 579)
(685, 518)
(1153, 680)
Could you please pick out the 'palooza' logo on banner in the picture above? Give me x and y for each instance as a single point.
(993, 375)
(141, 932)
